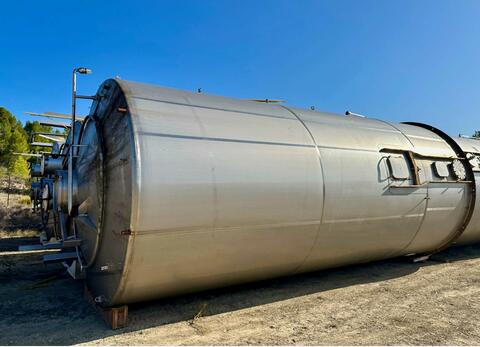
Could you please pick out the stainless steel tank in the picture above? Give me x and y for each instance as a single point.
(177, 191)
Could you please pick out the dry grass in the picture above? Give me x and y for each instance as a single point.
(390, 302)
(25, 200)
(17, 220)
(18, 233)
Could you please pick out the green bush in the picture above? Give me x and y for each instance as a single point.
(13, 139)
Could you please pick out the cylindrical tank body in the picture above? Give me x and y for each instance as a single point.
(472, 148)
(180, 191)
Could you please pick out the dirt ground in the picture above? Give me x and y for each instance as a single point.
(389, 302)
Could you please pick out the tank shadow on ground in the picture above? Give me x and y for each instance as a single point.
(61, 305)
(228, 299)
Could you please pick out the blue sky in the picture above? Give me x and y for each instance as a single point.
(394, 60)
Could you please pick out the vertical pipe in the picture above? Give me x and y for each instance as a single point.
(72, 130)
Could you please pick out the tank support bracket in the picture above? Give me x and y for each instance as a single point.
(115, 317)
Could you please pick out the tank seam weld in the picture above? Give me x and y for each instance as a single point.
(297, 269)
(404, 249)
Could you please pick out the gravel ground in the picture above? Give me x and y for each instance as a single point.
(389, 302)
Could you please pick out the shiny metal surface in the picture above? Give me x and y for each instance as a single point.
(50, 165)
(179, 191)
(472, 148)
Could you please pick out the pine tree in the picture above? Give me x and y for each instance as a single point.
(31, 128)
(13, 139)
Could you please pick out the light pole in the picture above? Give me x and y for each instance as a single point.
(82, 71)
